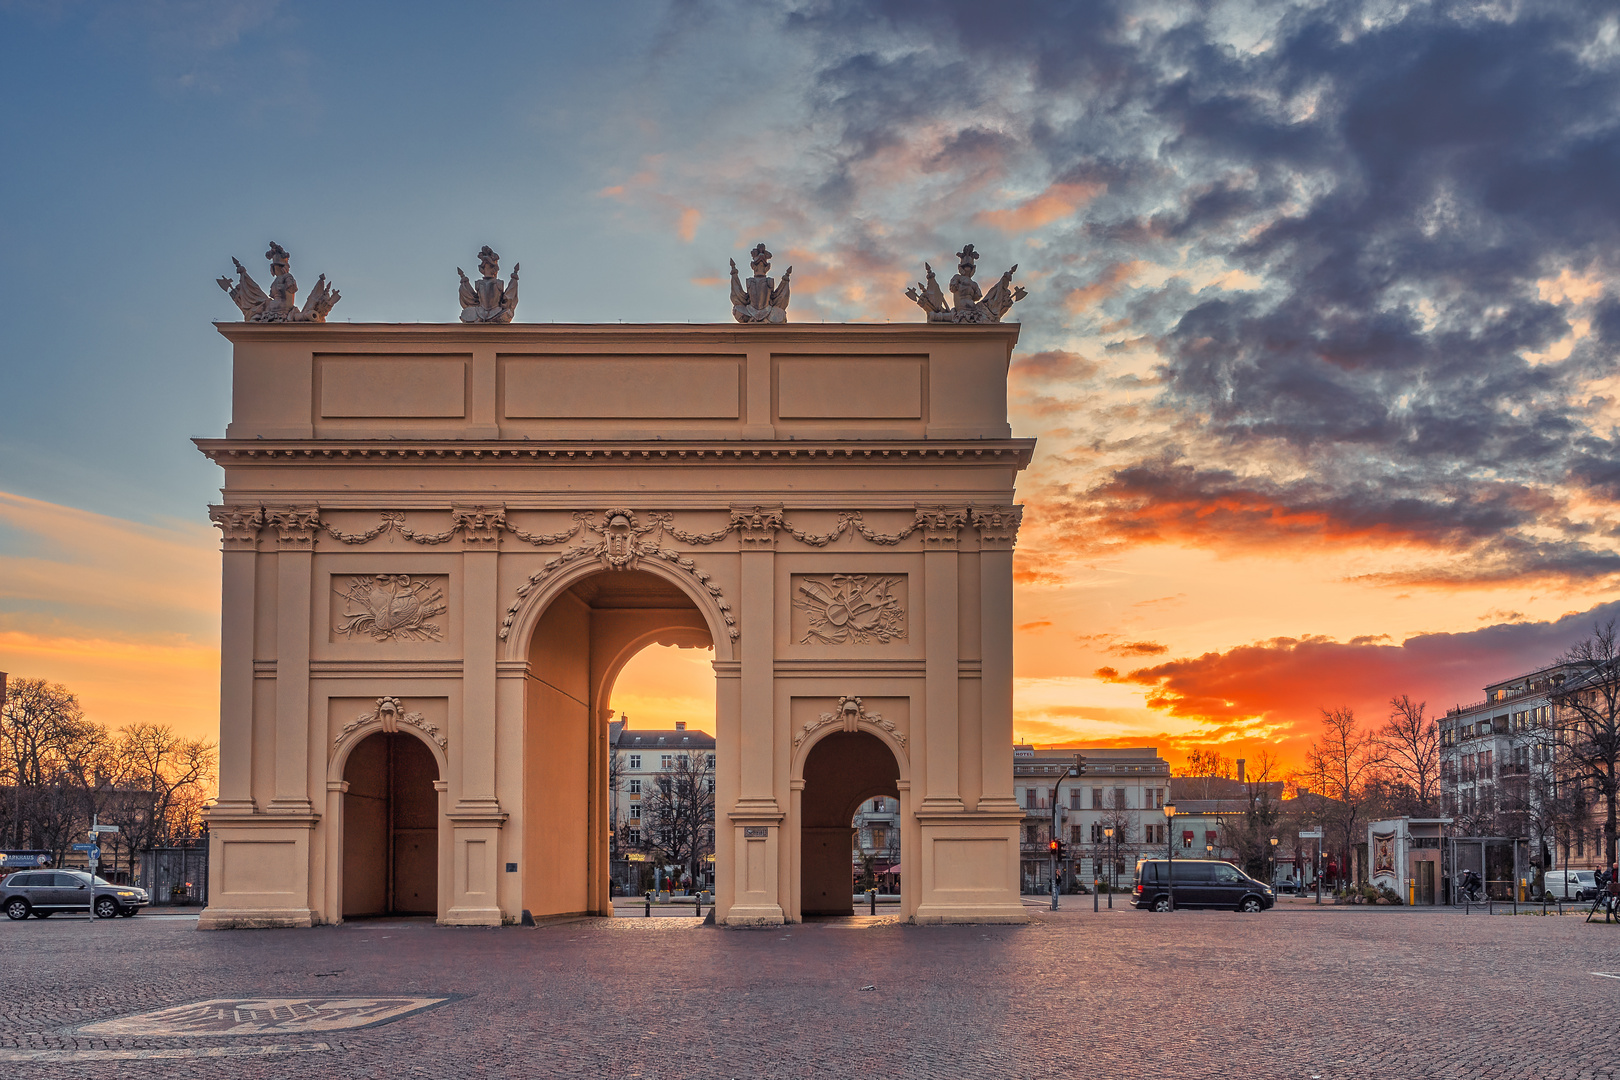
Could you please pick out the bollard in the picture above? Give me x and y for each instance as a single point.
(871, 896)
(1094, 888)
(649, 906)
(697, 906)
(1490, 904)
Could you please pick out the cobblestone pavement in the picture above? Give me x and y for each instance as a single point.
(1299, 992)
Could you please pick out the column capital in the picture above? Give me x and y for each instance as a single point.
(998, 525)
(295, 526)
(239, 525)
(479, 525)
(941, 525)
(756, 526)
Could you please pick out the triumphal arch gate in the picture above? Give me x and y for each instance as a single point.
(442, 543)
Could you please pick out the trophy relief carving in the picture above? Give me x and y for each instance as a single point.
(849, 609)
(387, 607)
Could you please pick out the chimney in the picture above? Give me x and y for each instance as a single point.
(1240, 770)
(680, 725)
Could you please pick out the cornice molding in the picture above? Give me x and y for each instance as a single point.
(991, 452)
(655, 335)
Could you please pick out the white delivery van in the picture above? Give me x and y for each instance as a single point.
(1570, 884)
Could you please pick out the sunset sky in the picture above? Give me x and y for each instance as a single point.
(1320, 343)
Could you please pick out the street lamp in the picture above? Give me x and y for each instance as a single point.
(1108, 831)
(1273, 862)
(1170, 853)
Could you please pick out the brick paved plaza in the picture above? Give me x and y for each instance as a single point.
(1297, 992)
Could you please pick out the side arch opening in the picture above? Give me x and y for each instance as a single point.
(390, 828)
(843, 773)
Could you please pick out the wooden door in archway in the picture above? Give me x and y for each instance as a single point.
(390, 828)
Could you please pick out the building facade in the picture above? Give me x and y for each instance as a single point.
(641, 759)
(442, 543)
(1502, 778)
(1124, 789)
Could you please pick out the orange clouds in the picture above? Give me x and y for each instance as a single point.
(1054, 204)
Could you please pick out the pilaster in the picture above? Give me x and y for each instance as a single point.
(295, 527)
(239, 526)
(997, 527)
(942, 790)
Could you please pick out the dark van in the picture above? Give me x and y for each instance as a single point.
(1198, 883)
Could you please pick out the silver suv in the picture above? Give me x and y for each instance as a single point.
(42, 893)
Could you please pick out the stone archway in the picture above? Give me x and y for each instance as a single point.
(841, 771)
(581, 641)
(390, 827)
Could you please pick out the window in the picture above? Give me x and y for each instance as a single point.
(1119, 798)
(708, 785)
(667, 762)
(1029, 798)
(1075, 833)
(1074, 799)
(1210, 839)
(1186, 838)
(711, 761)
(880, 837)
(635, 788)
(1096, 798)
(635, 811)
(635, 761)
(1096, 834)
(633, 837)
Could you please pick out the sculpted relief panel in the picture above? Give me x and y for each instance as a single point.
(388, 607)
(849, 609)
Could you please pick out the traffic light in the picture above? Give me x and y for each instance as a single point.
(1080, 764)
(1056, 847)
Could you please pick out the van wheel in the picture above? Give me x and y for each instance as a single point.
(106, 908)
(1251, 904)
(1162, 904)
(17, 909)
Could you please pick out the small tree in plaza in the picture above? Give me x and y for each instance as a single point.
(1586, 715)
(1408, 748)
(1341, 764)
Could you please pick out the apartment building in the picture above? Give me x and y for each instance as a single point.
(1123, 788)
(639, 757)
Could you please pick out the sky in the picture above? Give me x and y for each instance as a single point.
(1319, 348)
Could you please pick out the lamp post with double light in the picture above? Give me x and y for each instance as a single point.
(1170, 853)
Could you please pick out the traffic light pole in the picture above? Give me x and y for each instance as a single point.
(1055, 845)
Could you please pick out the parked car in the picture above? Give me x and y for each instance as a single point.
(42, 893)
(1569, 884)
(1198, 883)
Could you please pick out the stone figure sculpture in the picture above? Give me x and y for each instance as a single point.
(970, 306)
(281, 305)
(489, 299)
(760, 299)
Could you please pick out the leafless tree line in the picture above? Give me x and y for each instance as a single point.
(59, 768)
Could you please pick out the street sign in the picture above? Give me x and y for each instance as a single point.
(84, 847)
(1310, 835)
(103, 828)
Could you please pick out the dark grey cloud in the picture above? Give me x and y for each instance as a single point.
(1396, 183)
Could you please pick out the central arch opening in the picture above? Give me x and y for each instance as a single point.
(580, 646)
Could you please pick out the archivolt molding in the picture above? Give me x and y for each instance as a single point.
(388, 716)
(851, 714)
(622, 542)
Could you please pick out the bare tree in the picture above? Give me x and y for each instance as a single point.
(677, 814)
(42, 728)
(1586, 710)
(1409, 748)
(1250, 835)
(1341, 763)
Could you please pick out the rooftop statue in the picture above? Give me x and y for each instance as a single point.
(489, 299)
(282, 303)
(759, 300)
(970, 306)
